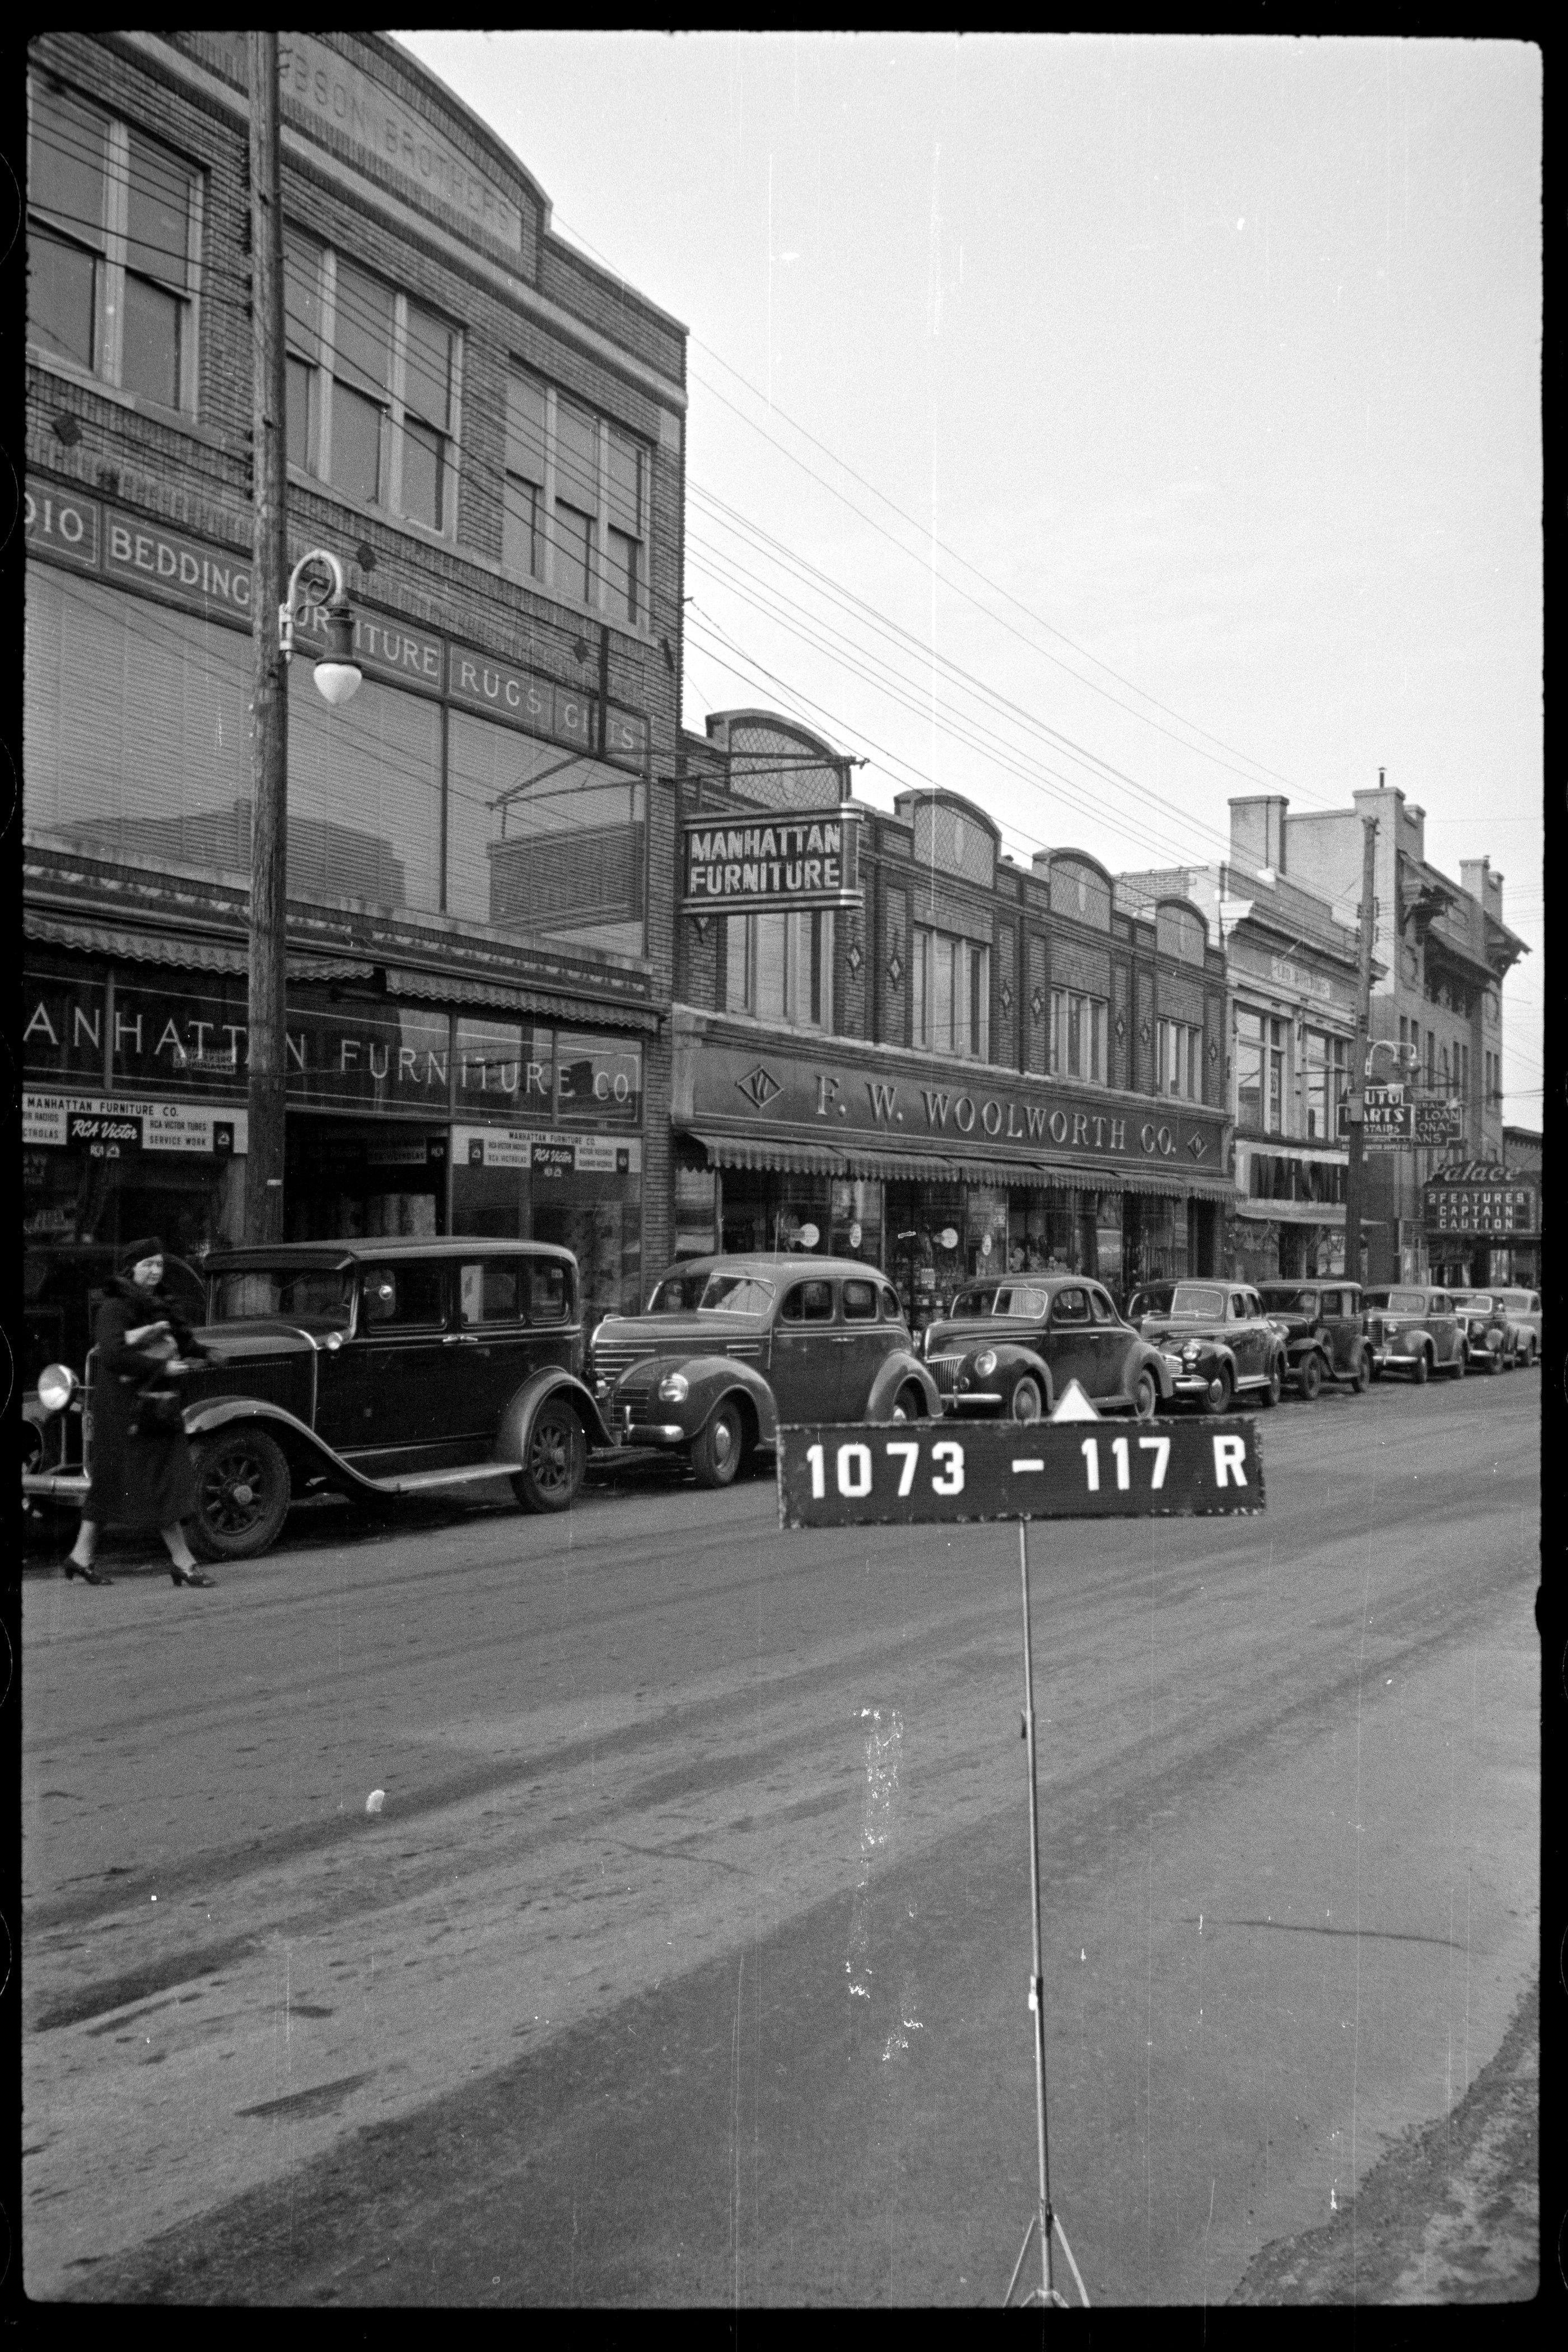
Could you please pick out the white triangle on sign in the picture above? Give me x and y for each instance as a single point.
(1074, 1405)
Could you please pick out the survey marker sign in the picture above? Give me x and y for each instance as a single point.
(912, 1473)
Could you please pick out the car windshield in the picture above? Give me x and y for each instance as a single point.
(304, 1293)
(1398, 1302)
(1289, 1302)
(736, 1294)
(1194, 1299)
(1479, 1301)
(678, 1294)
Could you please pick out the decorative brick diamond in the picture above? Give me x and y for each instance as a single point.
(1036, 1004)
(1214, 1051)
(1143, 1031)
(1006, 993)
(1120, 1027)
(854, 958)
(895, 967)
(759, 1087)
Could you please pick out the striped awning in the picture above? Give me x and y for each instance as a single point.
(500, 996)
(774, 1151)
(790, 1152)
(89, 938)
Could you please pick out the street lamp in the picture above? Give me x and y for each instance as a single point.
(338, 674)
(1407, 1056)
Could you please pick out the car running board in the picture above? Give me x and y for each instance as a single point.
(417, 1482)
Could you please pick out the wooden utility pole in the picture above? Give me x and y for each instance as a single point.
(267, 1040)
(1357, 1108)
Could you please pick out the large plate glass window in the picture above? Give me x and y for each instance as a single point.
(114, 231)
(1327, 1078)
(1260, 1072)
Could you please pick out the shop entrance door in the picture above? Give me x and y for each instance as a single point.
(348, 1180)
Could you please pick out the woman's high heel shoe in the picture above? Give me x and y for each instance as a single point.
(190, 1576)
(87, 1573)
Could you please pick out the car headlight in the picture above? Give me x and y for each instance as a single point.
(57, 1386)
(1191, 1352)
(674, 1389)
(1276, 1323)
(985, 1362)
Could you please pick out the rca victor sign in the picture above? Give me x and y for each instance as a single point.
(778, 865)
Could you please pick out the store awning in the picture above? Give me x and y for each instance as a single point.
(775, 1152)
(1301, 1212)
(920, 1163)
(132, 947)
(498, 996)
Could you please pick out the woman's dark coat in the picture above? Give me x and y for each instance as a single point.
(148, 1480)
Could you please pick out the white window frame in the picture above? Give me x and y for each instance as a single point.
(1093, 1015)
(108, 305)
(797, 971)
(551, 580)
(964, 955)
(394, 409)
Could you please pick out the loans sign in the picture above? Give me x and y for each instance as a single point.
(778, 863)
(911, 1473)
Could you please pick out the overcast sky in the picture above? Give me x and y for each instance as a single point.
(1182, 392)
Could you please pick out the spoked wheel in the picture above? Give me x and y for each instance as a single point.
(1310, 1378)
(242, 1494)
(1029, 1403)
(716, 1450)
(555, 1460)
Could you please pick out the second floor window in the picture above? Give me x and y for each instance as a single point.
(574, 501)
(1181, 1060)
(1260, 1073)
(952, 985)
(370, 386)
(113, 232)
(780, 967)
(1078, 1036)
(1327, 1078)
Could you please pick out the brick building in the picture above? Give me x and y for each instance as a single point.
(1291, 971)
(488, 431)
(963, 1065)
(1436, 1015)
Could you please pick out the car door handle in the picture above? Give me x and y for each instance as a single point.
(460, 1340)
(841, 1338)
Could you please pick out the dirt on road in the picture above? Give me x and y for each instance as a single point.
(1451, 2213)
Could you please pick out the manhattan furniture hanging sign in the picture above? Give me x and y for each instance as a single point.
(776, 864)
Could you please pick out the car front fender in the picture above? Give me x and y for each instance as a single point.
(897, 1371)
(1141, 1357)
(516, 1424)
(304, 1449)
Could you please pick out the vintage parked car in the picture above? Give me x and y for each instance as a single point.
(1008, 1347)
(1415, 1330)
(1149, 1298)
(1321, 1326)
(1524, 1307)
(1219, 1345)
(1494, 1340)
(731, 1346)
(377, 1369)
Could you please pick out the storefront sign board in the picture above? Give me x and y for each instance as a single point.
(778, 863)
(981, 1111)
(1437, 1122)
(543, 1152)
(84, 1122)
(1483, 1209)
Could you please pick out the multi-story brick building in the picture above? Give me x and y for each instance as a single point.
(1292, 974)
(963, 1065)
(488, 431)
(1437, 1009)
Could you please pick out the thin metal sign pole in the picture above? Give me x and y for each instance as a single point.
(1037, 1980)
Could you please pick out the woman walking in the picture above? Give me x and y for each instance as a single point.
(143, 1476)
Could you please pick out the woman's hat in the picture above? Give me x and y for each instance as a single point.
(133, 1253)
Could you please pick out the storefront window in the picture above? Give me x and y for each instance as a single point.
(985, 1230)
(925, 1247)
(1260, 1072)
(598, 1078)
(62, 1020)
(540, 841)
(504, 1067)
(855, 1227)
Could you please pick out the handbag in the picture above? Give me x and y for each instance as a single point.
(157, 1409)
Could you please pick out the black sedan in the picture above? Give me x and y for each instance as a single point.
(1010, 1347)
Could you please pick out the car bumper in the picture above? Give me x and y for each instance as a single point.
(56, 1485)
(1191, 1384)
(975, 1401)
(652, 1432)
(1394, 1359)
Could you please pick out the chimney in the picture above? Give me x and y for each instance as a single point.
(1483, 885)
(1258, 832)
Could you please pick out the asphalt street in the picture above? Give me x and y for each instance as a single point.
(686, 1959)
